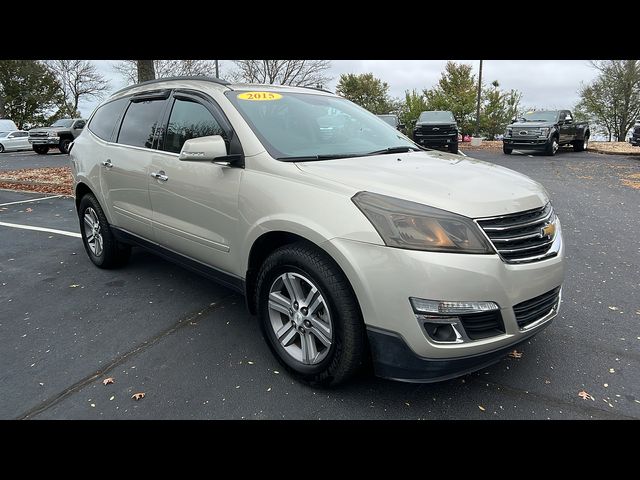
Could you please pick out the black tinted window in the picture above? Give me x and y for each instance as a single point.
(189, 120)
(106, 117)
(140, 123)
(79, 124)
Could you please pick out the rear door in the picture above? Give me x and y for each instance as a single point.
(566, 126)
(22, 140)
(126, 168)
(195, 204)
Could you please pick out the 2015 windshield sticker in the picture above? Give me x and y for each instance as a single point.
(259, 96)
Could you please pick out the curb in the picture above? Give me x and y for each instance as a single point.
(604, 152)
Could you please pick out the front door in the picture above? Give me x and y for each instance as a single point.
(125, 169)
(566, 127)
(195, 204)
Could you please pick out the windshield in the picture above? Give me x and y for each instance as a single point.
(436, 116)
(540, 116)
(4, 134)
(294, 125)
(62, 123)
(390, 119)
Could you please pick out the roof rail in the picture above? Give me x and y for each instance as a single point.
(166, 79)
(316, 88)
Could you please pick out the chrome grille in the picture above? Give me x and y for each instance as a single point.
(537, 308)
(38, 134)
(519, 237)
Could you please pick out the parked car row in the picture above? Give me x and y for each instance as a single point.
(59, 135)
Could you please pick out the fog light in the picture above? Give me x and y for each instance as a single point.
(442, 307)
(441, 332)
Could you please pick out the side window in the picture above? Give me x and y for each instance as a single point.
(140, 123)
(79, 124)
(189, 120)
(21, 134)
(104, 120)
(562, 116)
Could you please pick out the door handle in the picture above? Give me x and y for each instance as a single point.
(107, 163)
(160, 176)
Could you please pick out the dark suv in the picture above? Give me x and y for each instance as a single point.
(635, 136)
(437, 128)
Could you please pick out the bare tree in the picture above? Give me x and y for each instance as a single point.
(146, 70)
(78, 79)
(129, 69)
(299, 73)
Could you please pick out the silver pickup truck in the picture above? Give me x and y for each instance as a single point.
(60, 135)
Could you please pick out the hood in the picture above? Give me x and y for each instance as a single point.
(462, 185)
(531, 125)
(48, 129)
(452, 124)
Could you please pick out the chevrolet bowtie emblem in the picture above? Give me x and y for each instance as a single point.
(548, 230)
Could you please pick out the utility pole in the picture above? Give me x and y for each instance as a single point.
(217, 74)
(478, 107)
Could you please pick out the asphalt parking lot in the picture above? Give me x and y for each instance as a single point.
(30, 159)
(190, 346)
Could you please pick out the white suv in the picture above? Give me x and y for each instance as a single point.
(350, 242)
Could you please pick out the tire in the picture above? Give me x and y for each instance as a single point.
(1, 148)
(453, 147)
(337, 315)
(106, 251)
(552, 147)
(581, 145)
(507, 150)
(41, 149)
(64, 145)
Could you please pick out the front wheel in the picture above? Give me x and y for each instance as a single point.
(507, 150)
(64, 145)
(552, 147)
(453, 147)
(101, 246)
(1, 148)
(309, 315)
(581, 145)
(40, 149)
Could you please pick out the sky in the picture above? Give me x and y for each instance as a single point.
(551, 84)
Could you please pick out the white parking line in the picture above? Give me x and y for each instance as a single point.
(462, 153)
(41, 229)
(31, 200)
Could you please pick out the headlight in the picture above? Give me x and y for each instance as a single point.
(414, 226)
(52, 134)
(507, 133)
(544, 132)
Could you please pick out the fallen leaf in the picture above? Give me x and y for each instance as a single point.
(250, 363)
(269, 389)
(93, 405)
(481, 408)
(614, 308)
(547, 382)
(407, 404)
(138, 396)
(611, 370)
(585, 396)
(112, 397)
(276, 372)
(515, 354)
(107, 381)
(606, 385)
(75, 285)
(29, 210)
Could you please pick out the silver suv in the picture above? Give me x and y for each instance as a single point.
(351, 243)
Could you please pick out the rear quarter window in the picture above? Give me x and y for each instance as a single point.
(104, 120)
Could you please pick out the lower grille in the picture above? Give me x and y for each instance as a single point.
(483, 325)
(522, 237)
(536, 308)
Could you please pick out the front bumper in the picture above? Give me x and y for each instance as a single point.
(635, 141)
(435, 141)
(45, 141)
(384, 278)
(520, 144)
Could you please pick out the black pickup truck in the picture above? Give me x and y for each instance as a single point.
(546, 131)
(437, 128)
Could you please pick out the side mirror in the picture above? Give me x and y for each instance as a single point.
(207, 149)
(514, 120)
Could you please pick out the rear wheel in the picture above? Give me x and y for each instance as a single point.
(309, 315)
(581, 145)
(552, 147)
(40, 149)
(507, 150)
(101, 246)
(64, 145)
(1, 148)
(453, 147)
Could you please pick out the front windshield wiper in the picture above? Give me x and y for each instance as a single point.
(311, 158)
(400, 149)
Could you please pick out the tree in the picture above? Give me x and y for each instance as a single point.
(455, 92)
(130, 69)
(299, 73)
(29, 90)
(498, 109)
(613, 98)
(77, 79)
(365, 90)
(414, 103)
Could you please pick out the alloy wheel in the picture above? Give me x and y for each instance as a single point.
(92, 231)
